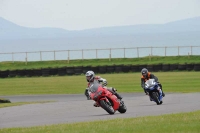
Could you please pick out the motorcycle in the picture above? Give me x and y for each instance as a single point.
(106, 99)
(154, 91)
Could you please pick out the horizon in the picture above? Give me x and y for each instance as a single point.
(102, 27)
(89, 14)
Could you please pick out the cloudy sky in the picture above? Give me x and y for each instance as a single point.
(85, 14)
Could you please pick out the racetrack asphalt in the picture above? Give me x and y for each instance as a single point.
(75, 108)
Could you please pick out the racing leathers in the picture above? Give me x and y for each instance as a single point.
(103, 82)
(147, 77)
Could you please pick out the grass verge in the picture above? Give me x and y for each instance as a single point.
(170, 123)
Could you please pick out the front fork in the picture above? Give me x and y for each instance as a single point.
(160, 92)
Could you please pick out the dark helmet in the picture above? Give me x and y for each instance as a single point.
(144, 71)
(90, 76)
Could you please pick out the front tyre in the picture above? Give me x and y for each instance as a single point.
(122, 107)
(107, 107)
(155, 96)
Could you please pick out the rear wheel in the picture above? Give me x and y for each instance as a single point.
(107, 107)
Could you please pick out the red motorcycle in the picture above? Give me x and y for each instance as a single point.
(106, 99)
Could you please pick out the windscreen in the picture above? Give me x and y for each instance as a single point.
(94, 87)
(149, 83)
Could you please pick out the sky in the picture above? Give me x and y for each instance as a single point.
(87, 14)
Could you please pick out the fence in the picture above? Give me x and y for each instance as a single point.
(109, 53)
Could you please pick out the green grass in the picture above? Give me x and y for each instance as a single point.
(171, 123)
(124, 82)
(100, 62)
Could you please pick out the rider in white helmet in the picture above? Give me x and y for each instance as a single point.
(90, 77)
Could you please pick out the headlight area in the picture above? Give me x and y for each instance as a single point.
(97, 95)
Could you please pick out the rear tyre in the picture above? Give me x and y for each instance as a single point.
(122, 107)
(107, 107)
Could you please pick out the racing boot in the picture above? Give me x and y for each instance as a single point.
(113, 91)
(163, 94)
(117, 95)
(87, 94)
(95, 104)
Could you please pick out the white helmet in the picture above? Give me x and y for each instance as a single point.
(90, 76)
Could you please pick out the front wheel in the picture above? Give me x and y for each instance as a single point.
(122, 107)
(155, 96)
(107, 107)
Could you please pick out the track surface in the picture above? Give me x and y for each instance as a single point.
(75, 108)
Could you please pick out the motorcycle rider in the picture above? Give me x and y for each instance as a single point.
(91, 78)
(146, 75)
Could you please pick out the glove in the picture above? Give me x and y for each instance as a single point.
(104, 82)
(114, 89)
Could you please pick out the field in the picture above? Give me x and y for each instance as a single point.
(124, 82)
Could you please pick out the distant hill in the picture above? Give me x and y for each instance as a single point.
(9, 30)
(15, 38)
(186, 25)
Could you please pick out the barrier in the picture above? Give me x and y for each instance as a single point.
(197, 67)
(157, 67)
(62, 71)
(165, 67)
(126, 68)
(53, 71)
(98, 69)
(135, 68)
(190, 67)
(182, 67)
(118, 68)
(110, 69)
(12, 73)
(173, 67)
(21, 73)
(78, 70)
(102, 69)
(150, 68)
(70, 70)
